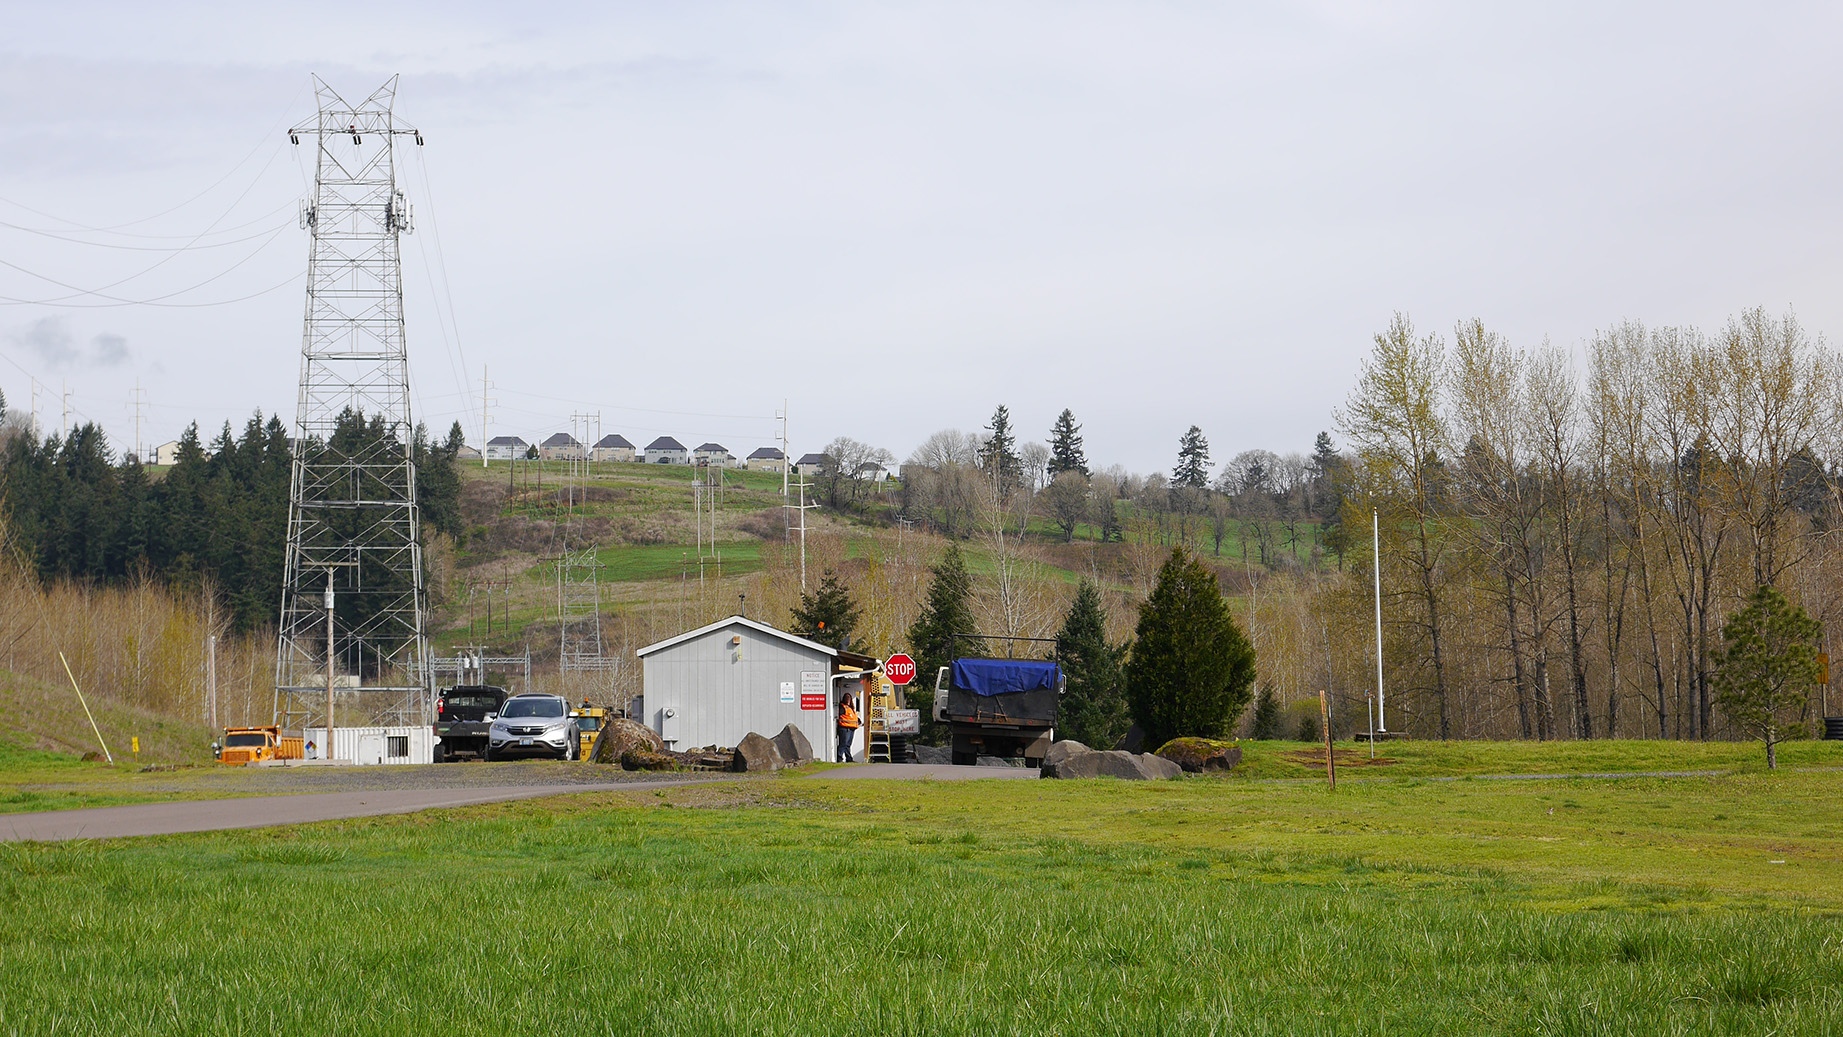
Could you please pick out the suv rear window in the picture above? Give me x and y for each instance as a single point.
(473, 701)
(535, 706)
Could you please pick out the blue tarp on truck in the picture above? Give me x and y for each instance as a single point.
(1004, 676)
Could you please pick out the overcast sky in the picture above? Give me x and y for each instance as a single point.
(897, 217)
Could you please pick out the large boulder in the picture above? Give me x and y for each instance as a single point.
(793, 745)
(1133, 740)
(1075, 760)
(933, 754)
(619, 735)
(1197, 755)
(755, 754)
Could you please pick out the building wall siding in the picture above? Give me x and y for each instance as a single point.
(719, 699)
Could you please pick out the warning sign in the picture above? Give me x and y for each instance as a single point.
(812, 690)
(787, 691)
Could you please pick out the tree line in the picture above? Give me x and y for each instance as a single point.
(217, 517)
(1562, 548)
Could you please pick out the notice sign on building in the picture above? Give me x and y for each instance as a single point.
(812, 690)
(787, 691)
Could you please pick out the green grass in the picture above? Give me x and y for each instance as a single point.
(810, 906)
(1415, 759)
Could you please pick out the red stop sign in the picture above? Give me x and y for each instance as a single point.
(899, 668)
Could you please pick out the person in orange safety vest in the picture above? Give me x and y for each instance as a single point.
(847, 726)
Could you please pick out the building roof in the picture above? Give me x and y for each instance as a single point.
(713, 448)
(737, 621)
(506, 441)
(561, 439)
(811, 459)
(613, 439)
(767, 453)
(665, 443)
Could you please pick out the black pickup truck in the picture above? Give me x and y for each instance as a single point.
(463, 715)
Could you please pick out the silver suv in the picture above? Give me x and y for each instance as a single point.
(533, 725)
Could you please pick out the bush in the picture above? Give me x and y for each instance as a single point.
(1269, 725)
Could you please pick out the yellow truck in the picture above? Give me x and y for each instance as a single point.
(246, 745)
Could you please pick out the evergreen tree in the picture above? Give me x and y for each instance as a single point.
(1328, 472)
(999, 457)
(1192, 471)
(1767, 667)
(948, 611)
(1094, 706)
(1065, 449)
(1192, 669)
(1268, 724)
(828, 616)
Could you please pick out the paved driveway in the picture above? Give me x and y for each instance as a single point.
(208, 815)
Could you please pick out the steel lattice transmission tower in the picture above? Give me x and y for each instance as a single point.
(353, 525)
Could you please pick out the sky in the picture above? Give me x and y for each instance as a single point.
(895, 217)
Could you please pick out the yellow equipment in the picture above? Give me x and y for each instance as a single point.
(589, 722)
(246, 745)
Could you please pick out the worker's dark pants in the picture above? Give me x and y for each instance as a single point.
(845, 737)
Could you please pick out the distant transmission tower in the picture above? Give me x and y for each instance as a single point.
(353, 525)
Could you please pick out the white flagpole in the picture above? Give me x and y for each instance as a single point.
(1375, 533)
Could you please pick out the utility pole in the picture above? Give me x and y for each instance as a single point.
(801, 508)
(484, 387)
(786, 458)
(328, 747)
(65, 434)
(140, 397)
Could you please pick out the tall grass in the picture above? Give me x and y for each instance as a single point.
(142, 644)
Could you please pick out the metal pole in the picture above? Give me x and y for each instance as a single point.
(1375, 534)
(327, 749)
(1371, 706)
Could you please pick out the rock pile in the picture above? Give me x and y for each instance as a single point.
(756, 754)
(1075, 760)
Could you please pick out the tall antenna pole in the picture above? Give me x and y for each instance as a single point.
(1375, 539)
(484, 386)
(140, 396)
(786, 458)
(354, 525)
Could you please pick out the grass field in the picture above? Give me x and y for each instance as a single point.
(812, 906)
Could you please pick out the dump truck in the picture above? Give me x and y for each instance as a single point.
(999, 707)
(463, 716)
(246, 745)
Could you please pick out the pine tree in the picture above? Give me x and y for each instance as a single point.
(1192, 471)
(1767, 667)
(948, 611)
(1192, 669)
(1268, 724)
(999, 457)
(828, 616)
(1065, 449)
(1094, 705)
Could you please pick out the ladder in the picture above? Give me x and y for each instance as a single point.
(879, 699)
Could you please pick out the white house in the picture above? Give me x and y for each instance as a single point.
(167, 453)
(613, 447)
(506, 448)
(666, 450)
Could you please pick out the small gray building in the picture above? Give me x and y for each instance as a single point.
(715, 684)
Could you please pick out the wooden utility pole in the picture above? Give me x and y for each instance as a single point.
(1324, 714)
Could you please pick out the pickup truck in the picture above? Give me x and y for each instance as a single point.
(463, 716)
